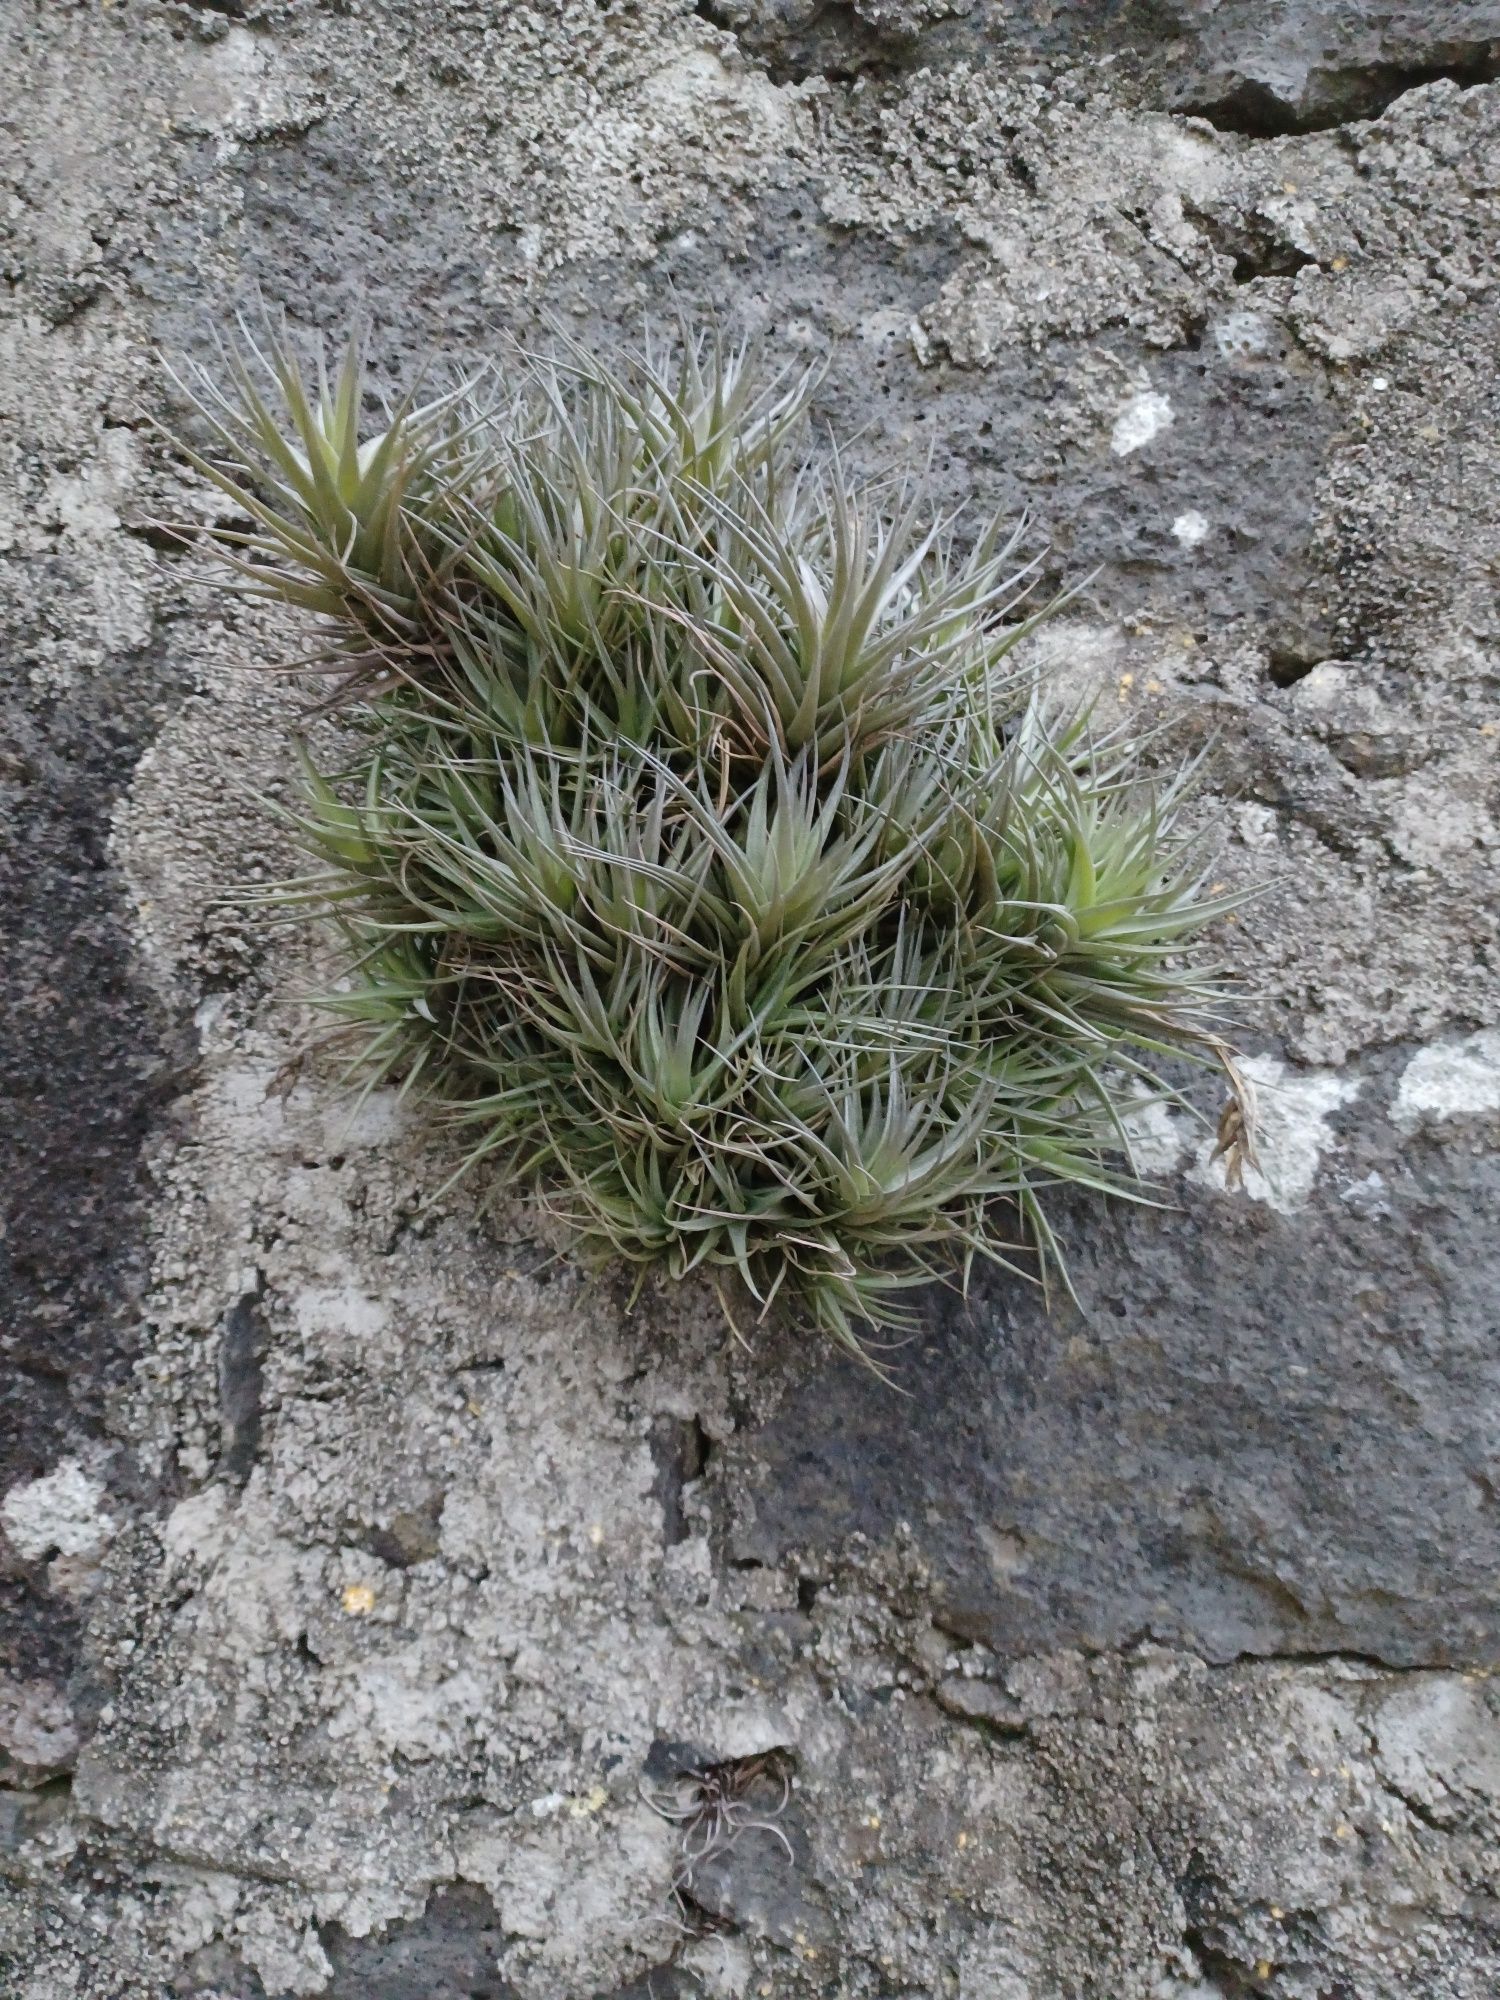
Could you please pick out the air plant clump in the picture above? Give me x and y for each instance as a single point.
(698, 847)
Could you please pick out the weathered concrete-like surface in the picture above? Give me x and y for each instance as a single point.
(360, 1562)
(1255, 66)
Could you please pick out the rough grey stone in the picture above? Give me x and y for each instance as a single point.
(1255, 66)
(1139, 1650)
(448, 1953)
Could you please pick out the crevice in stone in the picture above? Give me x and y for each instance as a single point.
(663, 1982)
(1340, 96)
(701, 1920)
(1203, 1902)
(1337, 1656)
(160, 535)
(411, 1537)
(681, 1448)
(242, 1351)
(1290, 663)
(831, 42)
(995, 1729)
(1417, 1809)
(1216, 1966)
(1251, 244)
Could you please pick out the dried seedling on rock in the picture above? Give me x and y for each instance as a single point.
(698, 848)
(714, 1805)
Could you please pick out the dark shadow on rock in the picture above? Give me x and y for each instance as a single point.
(450, 1952)
(88, 1062)
(1263, 1434)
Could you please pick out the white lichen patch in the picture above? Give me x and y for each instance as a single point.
(62, 1512)
(1434, 824)
(287, 1959)
(1241, 335)
(37, 1729)
(1159, 1135)
(1449, 1081)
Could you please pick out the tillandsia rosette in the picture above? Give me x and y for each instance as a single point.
(698, 847)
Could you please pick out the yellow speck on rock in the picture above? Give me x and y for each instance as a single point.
(358, 1599)
(1263, 1969)
(963, 1841)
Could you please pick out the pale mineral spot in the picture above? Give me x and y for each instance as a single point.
(1450, 1080)
(1144, 417)
(1190, 528)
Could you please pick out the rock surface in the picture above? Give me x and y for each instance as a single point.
(366, 1576)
